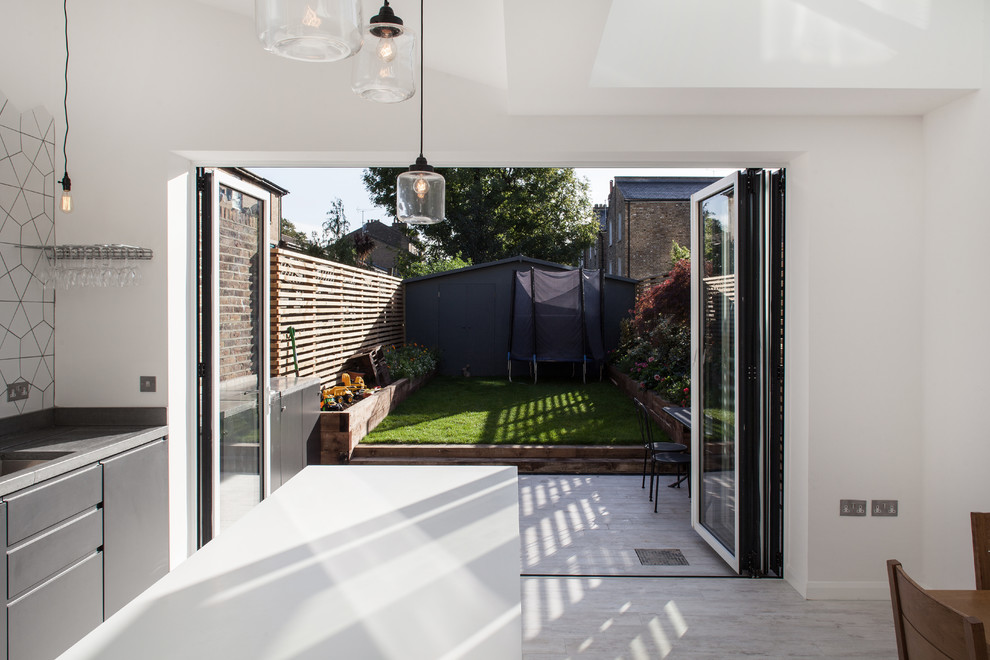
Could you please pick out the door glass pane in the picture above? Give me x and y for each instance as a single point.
(718, 388)
(240, 306)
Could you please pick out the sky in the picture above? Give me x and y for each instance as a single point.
(312, 190)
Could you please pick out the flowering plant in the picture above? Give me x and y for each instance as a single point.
(409, 361)
(655, 346)
(660, 377)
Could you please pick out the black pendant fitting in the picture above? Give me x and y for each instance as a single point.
(386, 15)
(420, 165)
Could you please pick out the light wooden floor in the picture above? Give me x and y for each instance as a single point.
(590, 526)
(639, 618)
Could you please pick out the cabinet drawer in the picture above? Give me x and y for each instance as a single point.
(47, 554)
(58, 613)
(33, 509)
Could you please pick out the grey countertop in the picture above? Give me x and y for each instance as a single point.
(82, 445)
(287, 384)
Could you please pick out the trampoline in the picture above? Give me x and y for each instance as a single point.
(556, 317)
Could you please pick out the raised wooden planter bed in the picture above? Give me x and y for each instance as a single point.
(555, 459)
(654, 403)
(341, 431)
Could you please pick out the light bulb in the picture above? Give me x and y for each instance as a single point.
(386, 49)
(66, 193)
(311, 18)
(421, 187)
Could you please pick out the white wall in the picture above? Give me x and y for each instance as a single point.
(956, 359)
(864, 353)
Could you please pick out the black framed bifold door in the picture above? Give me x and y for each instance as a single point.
(204, 355)
(737, 369)
(233, 341)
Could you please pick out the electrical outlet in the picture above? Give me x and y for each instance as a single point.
(852, 507)
(884, 507)
(18, 390)
(148, 383)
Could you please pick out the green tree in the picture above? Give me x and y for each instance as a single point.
(494, 213)
(364, 245)
(678, 252)
(330, 242)
(288, 231)
(409, 265)
(714, 232)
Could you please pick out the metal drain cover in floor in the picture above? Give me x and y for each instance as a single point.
(665, 557)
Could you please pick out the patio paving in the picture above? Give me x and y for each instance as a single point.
(593, 525)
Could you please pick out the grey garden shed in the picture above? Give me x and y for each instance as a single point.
(466, 313)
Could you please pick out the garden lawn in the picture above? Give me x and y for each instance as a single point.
(495, 411)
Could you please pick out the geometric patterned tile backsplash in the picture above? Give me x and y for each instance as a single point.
(27, 209)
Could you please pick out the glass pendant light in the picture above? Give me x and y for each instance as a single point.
(419, 192)
(309, 30)
(66, 183)
(383, 68)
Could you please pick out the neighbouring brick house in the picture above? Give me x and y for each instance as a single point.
(590, 257)
(389, 241)
(643, 217)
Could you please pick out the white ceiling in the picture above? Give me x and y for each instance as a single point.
(709, 57)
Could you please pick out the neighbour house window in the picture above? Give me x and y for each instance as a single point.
(618, 268)
(610, 223)
(618, 228)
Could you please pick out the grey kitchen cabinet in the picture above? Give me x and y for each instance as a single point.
(79, 546)
(135, 522)
(294, 420)
(293, 442)
(3, 585)
(275, 441)
(36, 508)
(54, 563)
(33, 561)
(53, 616)
(310, 409)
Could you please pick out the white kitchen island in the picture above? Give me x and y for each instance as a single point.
(343, 562)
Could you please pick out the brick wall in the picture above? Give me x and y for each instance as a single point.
(616, 235)
(648, 229)
(240, 292)
(652, 227)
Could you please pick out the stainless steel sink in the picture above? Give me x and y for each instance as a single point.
(16, 462)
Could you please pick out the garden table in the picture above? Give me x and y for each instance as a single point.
(681, 422)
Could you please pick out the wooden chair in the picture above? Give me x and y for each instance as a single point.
(926, 628)
(981, 547)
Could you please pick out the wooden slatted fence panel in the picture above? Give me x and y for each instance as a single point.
(648, 283)
(337, 311)
(724, 284)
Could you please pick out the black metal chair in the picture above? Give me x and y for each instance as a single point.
(646, 434)
(656, 453)
(680, 460)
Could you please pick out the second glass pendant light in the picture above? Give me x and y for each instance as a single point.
(383, 68)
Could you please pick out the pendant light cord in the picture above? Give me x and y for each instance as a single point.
(422, 47)
(65, 99)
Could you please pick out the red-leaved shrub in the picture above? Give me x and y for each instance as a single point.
(671, 298)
